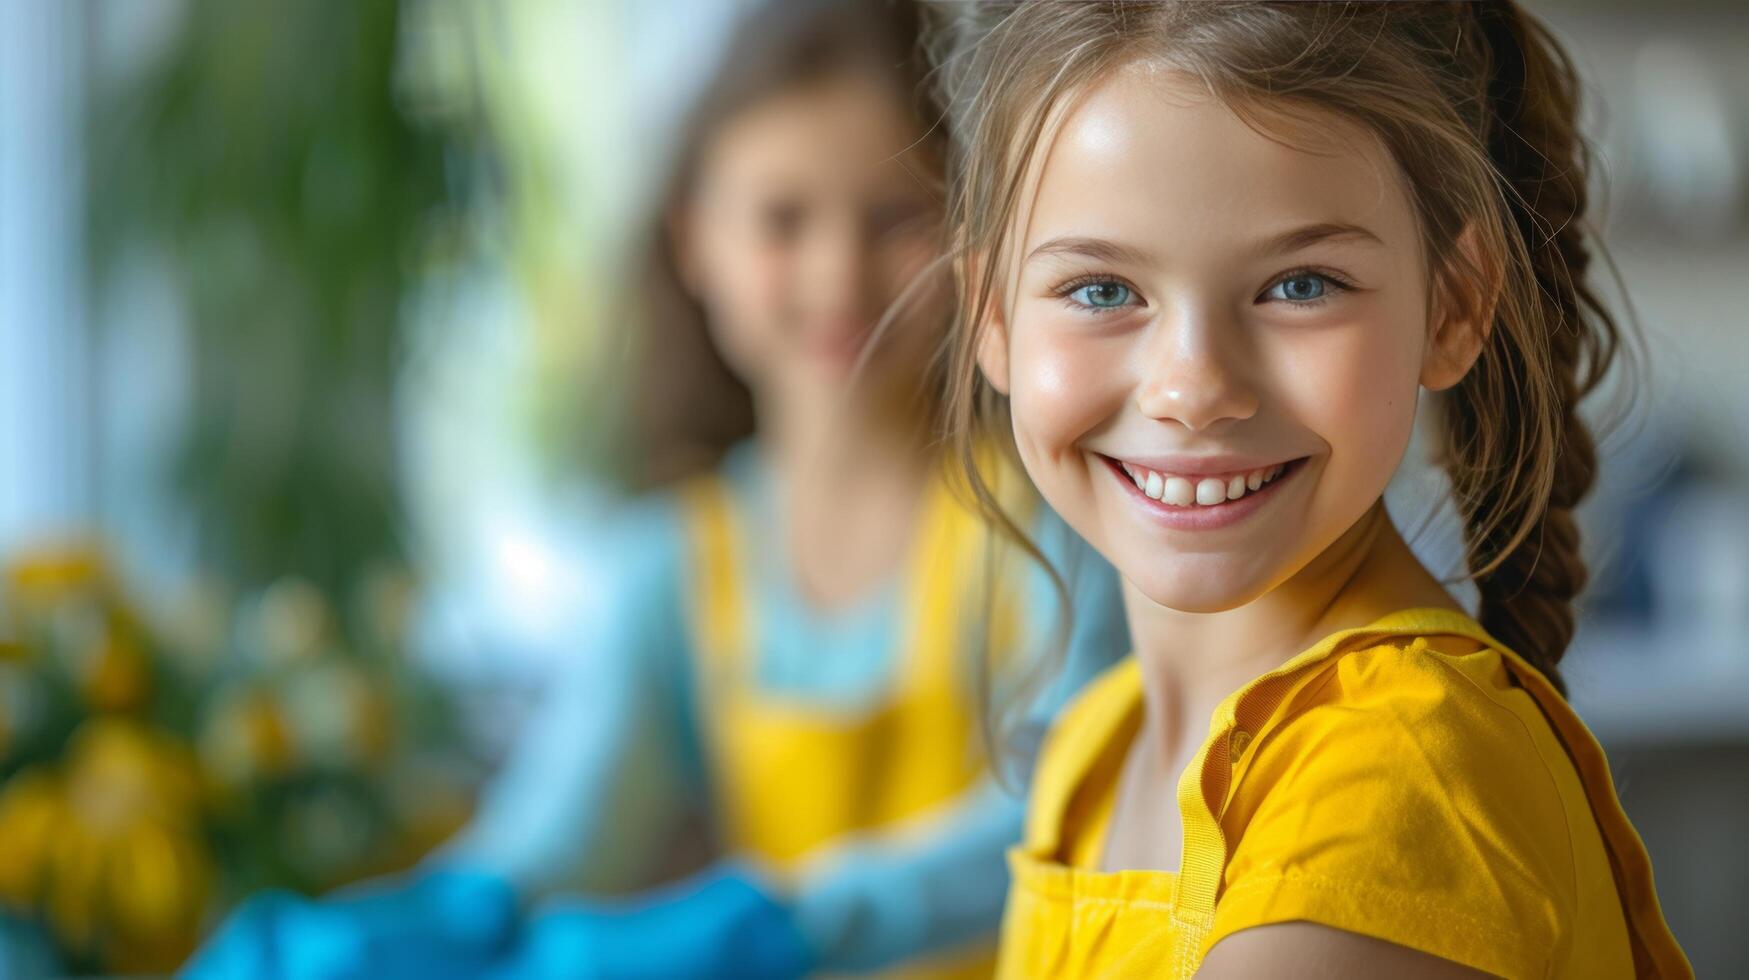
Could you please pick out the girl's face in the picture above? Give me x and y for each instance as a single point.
(1212, 341)
(810, 215)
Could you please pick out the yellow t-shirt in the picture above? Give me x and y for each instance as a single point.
(1393, 781)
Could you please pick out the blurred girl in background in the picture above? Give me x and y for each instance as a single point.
(793, 637)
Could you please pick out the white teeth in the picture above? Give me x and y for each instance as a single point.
(1180, 491)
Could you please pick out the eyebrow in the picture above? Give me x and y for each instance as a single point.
(1297, 238)
(1106, 250)
(1098, 249)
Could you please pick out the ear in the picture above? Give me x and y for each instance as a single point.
(991, 330)
(993, 353)
(1461, 316)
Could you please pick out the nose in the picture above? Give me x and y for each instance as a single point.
(1193, 372)
(839, 260)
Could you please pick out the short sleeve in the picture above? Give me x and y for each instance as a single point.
(1396, 797)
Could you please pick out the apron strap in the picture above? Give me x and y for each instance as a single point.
(959, 593)
(720, 607)
(930, 626)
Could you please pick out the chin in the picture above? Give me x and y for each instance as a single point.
(1197, 585)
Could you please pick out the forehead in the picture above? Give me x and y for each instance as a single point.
(1148, 157)
(846, 132)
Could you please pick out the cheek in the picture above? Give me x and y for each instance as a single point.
(1357, 394)
(1063, 385)
(746, 290)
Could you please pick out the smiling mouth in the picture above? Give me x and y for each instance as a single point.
(1194, 493)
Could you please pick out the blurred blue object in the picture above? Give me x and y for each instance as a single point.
(722, 922)
(25, 953)
(448, 924)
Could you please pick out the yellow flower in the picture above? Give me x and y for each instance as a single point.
(108, 849)
(44, 576)
(116, 676)
(32, 807)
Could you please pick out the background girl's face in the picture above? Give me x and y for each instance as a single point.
(1199, 313)
(810, 215)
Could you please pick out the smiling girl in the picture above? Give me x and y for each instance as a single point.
(1210, 256)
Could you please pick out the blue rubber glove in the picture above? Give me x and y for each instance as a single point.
(444, 924)
(720, 923)
(25, 952)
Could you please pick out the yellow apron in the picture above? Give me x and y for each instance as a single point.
(790, 777)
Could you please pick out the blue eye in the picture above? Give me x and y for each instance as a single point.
(1102, 295)
(1303, 287)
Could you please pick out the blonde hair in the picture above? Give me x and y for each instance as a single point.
(1476, 103)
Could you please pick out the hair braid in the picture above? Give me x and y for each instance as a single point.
(1523, 540)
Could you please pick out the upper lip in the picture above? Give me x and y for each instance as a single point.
(1225, 465)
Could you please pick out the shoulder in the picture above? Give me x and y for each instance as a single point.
(1399, 791)
(639, 542)
(1424, 704)
(1408, 734)
(662, 528)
